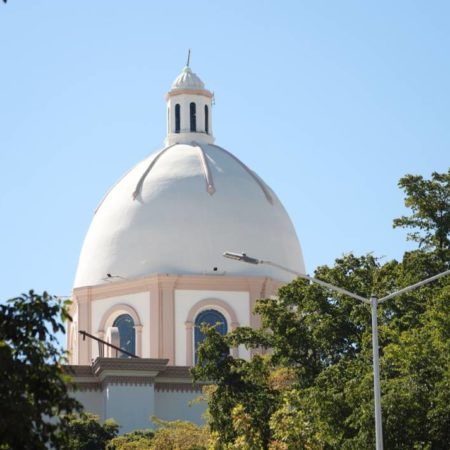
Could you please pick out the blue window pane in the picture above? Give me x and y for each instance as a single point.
(125, 324)
(209, 317)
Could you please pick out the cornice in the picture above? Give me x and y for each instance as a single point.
(83, 294)
(178, 387)
(127, 365)
(213, 282)
(163, 386)
(147, 365)
(78, 371)
(187, 282)
(127, 381)
(106, 372)
(175, 92)
(87, 386)
(176, 372)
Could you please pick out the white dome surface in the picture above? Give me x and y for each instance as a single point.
(177, 211)
(188, 80)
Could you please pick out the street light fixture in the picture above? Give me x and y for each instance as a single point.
(372, 301)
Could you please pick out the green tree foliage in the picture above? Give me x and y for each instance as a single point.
(324, 340)
(169, 435)
(238, 382)
(33, 385)
(136, 440)
(429, 201)
(85, 432)
(314, 388)
(179, 435)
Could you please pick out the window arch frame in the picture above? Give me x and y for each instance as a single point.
(199, 337)
(209, 303)
(112, 314)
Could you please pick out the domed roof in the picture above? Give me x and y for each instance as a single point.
(178, 210)
(187, 80)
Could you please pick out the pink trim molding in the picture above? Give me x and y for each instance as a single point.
(160, 289)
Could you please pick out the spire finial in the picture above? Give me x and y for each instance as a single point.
(188, 58)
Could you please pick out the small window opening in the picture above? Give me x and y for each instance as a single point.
(177, 118)
(206, 119)
(193, 117)
(209, 317)
(125, 324)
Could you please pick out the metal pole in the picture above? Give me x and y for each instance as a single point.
(316, 280)
(374, 301)
(414, 286)
(376, 376)
(101, 341)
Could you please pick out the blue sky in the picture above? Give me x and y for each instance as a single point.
(329, 102)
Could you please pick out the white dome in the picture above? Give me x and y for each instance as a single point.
(178, 210)
(187, 80)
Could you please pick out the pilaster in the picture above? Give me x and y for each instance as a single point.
(83, 300)
(167, 326)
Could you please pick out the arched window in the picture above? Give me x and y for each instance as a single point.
(206, 120)
(177, 118)
(127, 335)
(193, 111)
(208, 317)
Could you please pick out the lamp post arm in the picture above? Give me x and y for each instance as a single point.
(317, 281)
(414, 286)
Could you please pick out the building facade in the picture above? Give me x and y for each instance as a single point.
(151, 268)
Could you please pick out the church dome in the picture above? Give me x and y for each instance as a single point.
(181, 208)
(178, 210)
(187, 80)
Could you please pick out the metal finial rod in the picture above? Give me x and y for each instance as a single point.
(188, 58)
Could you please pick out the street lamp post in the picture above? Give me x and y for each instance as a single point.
(373, 302)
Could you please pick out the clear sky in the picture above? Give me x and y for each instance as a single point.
(330, 102)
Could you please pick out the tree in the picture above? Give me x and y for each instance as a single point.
(429, 201)
(237, 383)
(136, 440)
(33, 385)
(179, 435)
(169, 435)
(84, 432)
(323, 341)
(307, 331)
(320, 343)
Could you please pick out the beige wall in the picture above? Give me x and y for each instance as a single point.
(164, 308)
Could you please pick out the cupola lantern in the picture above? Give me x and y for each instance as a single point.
(189, 111)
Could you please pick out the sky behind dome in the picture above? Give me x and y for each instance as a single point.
(329, 102)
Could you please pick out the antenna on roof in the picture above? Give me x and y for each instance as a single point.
(188, 58)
